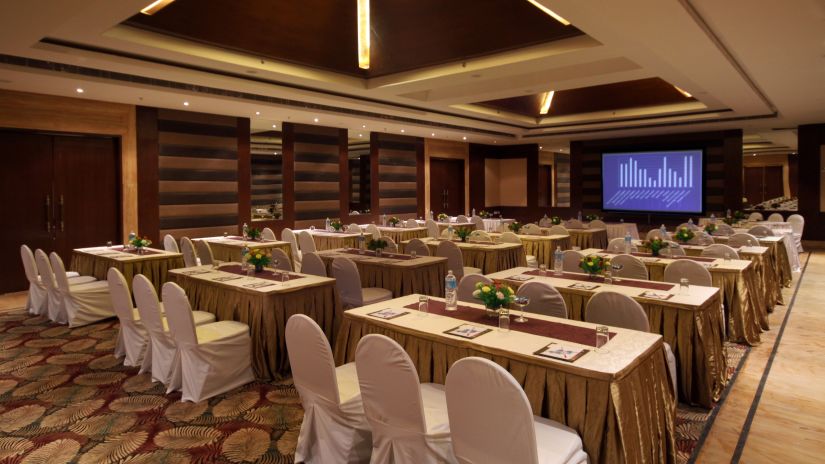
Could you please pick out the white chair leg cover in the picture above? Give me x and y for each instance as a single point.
(54, 305)
(132, 337)
(671, 367)
(38, 298)
(334, 428)
(161, 358)
(85, 303)
(214, 358)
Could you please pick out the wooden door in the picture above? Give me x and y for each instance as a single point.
(753, 185)
(545, 188)
(447, 186)
(773, 183)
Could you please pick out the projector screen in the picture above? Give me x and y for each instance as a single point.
(653, 181)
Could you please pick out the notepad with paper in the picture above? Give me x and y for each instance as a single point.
(388, 313)
(562, 352)
(656, 295)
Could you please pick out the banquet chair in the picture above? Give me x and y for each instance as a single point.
(673, 249)
(618, 310)
(616, 245)
(306, 242)
(432, 229)
(509, 237)
(461, 219)
(131, 337)
(701, 238)
(724, 229)
(545, 222)
(81, 304)
(417, 245)
(756, 216)
(558, 229)
(373, 229)
(287, 235)
(631, 267)
(797, 222)
(544, 299)
(653, 233)
(720, 251)
(467, 286)
(597, 224)
(446, 234)
(742, 239)
(190, 257)
(348, 281)
(280, 260)
(214, 358)
(334, 428)
(530, 229)
(760, 231)
(37, 302)
(471, 383)
(408, 419)
(313, 265)
(392, 247)
(268, 234)
(691, 270)
(411, 223)
(204, 252)
(170, 244)
(53, 307)
(354, 229)
(571, 260)
(480, 236)
(479, 222)
(686, 225)
(455, 260)
(776, 217)
(574, 224)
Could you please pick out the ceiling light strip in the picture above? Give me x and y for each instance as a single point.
(683, 92)
(549, 12)
(546, 102)
(364, 34)
(156, 6)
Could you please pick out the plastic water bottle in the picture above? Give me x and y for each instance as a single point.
(663, 230)
(245, 230)
(132, 236)
(558, 258)
(580, 216)
(326, 225)
(383, 220)
(244, 252)
(430, 217)
(628, 243)
(473, 213)
(450, 231)
(727, 213)
(712, 218)
(450, 296)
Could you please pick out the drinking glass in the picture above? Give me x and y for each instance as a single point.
(504, 320)
(284, 277)
(311, 227)
(684, 286)
(423, 305)
(608, 277)
(109, 244)
(521, 302)
(602, 337)
(250, 271)
(727, 256)
(543, 270)
(414, 254)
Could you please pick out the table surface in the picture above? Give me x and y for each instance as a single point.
(386, 260)
(497, 235)
(233, 242)
(717, 265)
(472, 245)
(114, 253)
(247, 283)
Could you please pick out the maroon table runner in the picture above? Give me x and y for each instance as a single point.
(266, 274)
(145, 252)
(474, 242)
(600, 279)
(385, 254)
(257, 240)
(541, 327)
(698, 259)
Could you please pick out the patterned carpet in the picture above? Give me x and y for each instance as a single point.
(65, 398)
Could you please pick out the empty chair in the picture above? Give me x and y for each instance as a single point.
(571, 261)
(530, 229)
(686, 225)
(760, 231)
(409, 420)
(190, 257)
(432, 229)
(170, 244)
(509, 237)
(131, 337)
(80, 304)
(448, 234)
(478, 221)
(455, 260)
(776, 217)
(631, 267)
(723, 229)
(545, 222)
(574, 224)
(462, 219)
(720, 251)
(313, 265)
(348, 281)
(480, 236)
(214, 358)
(701, 238)
(687, 269)
(373, 229)
(467, 286)
(471, 383)
(354, 229)
(392, 247)
(755, 216)
(305, 242)
(653, 233)
(37, 302)
(280, 260)
(418, 246)
(410, 223)
(742, 239)
(204, 252)
(616, 245)
(53, 306)
(597, 224)
(797, 222)
(287, 235)
(334, 428)
(268, 234)
(544, 299)
(671, 249)
(558, 229)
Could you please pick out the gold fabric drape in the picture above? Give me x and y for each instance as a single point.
(154, 267)
(541, 246)
(588, 238)
(427, 279)
(331, 242)
(232, 252)
(400, 234)
(488, 258)
(626, 418)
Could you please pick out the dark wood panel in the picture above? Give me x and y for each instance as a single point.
(773, 182)
(148, 156)
(811, 141)
(754, 185)
(447, 186)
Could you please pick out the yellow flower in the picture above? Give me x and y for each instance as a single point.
(485, 289)
(258, 256)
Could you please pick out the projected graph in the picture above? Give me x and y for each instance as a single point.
(653, 181)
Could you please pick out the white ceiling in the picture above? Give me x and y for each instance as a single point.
(762, 61)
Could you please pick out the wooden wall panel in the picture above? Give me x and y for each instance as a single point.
(317, 184)
(562, 181)
(398, 174)
(811, 150)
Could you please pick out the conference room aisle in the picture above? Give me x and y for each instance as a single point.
(775, 407)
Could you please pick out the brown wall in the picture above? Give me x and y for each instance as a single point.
(811, 151)
(773, 160)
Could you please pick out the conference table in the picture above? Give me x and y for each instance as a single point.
(618, 398)
(228, 248)
(400, 234)
(265, 303)
(330, 240)
(585, 238)
(542, 247)
(620, 229)
(151, 262)
(487, 256)
(778, 254)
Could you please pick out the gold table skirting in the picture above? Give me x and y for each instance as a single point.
(626, 418)
(266, 315)
(330, 242)
(584, 239)
(469, 226)
(543, 249)
(154, 268)
(399, 234)
(426, 279)
(489, 259)
(226, 252)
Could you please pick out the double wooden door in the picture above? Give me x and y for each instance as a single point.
(57, 192)
(447, 186)
(763, 183)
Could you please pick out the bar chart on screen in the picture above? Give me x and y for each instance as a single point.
(652, 181)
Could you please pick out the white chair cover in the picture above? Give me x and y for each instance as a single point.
(161, 357)
(411, 223)
(432, 228)
(214, 358)
(280, 260)
(509, 237)
(597, 224)
(455, 260)
(719, 251)
(471, 383)
(334, 428)
(287, 235)
(571, 260)
(82, 304)
(701, 238)
(616, 245)
(724, 229)
(461, 219)
(190, 258)
(348, 281)
(558, 229)
(656, 233)
(530, 229)
(544, 299)
(392, 247)
(756, 216)
(354, 229)
(373, 229)
(672, 249)
(314, 265)
(132, 337)
(467, 286)
(306, 242)
(268, 234)
(691, 270)
(417, 245)
(38, 298)
(170, 244)
(742, 239)
(409, 420)
(631, 267)
(446, 233)
(545, 222)
(574, 224)
(797, 225)
(479, 222)
(686, 225)
(54, 304)
(204, 252)
(776, 217)
(760, 231)
(480, 236)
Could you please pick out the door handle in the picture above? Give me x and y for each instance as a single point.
(48, 207)
(62, 228)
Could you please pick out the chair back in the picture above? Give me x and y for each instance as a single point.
(432, 228)
(545, 222)
(59, 271)
(724, 229)
(558, 229)
(719, 251)
(121, 296)
(455, 260)
(691, 270)
(410, 223)
(288, 236)
(776, 217)
(29, 266)
(742, 239)
(478, 221)
(673, 249)
(373, 229)
(509, 237)
(311, 362)
(467, 286)
(348, 281)
(616, 245)
(480, 236)
(354, 229)
(462, 219)
(170, 244)
(618, 310)
(392, 247)
(313, 264)
(653, 233)
(190, 258)
(147, 304)
(471, 383)
(204, 252)
(179, 315)
(389, 388)
(761, 231)
(755, 216)
(530, 229)
(280, 260)
(686, 225)
(268, 234)
(306, 242)
(631, 267)
(574, 224)
(701, 238)
(797, 222)
(544, 299)
(571, 260)
(44, 268)
(597, 224)
(417, 245)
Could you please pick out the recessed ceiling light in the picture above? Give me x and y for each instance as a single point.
(185, 103)
(363, 17)
(432, 135)
(274, 152)
(541, 148)
(363, 126)
(402, 131)
(316, 119)
(360, 135)
(257, 113)
(274, 126)
(495, 141)
(548, 100)
(464, 138)
(79, 90)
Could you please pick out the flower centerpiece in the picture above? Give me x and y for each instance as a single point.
(336, 225)
(443, 217)
(463, 233)
(377, 245)
(514, 226)
(139, 243)
(710, 228)
(259, 258)
(394, 221)
(591, 217)
(655, 244)
(555, 220)
(684, 234)
(494, 296)
(254, 234)
(483, 214)
(594, 264)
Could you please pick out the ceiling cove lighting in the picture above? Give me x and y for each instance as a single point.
(156, 6)
(683, 92)
(364, 34)
(550, 12)
(546, 102)
(79, 90)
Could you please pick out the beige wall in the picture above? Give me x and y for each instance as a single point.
(19, 110)
(434, 148)
(505, 182)
(771, 160)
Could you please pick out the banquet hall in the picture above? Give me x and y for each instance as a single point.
(397, 231)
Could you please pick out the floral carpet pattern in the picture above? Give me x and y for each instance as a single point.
(65, 398)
